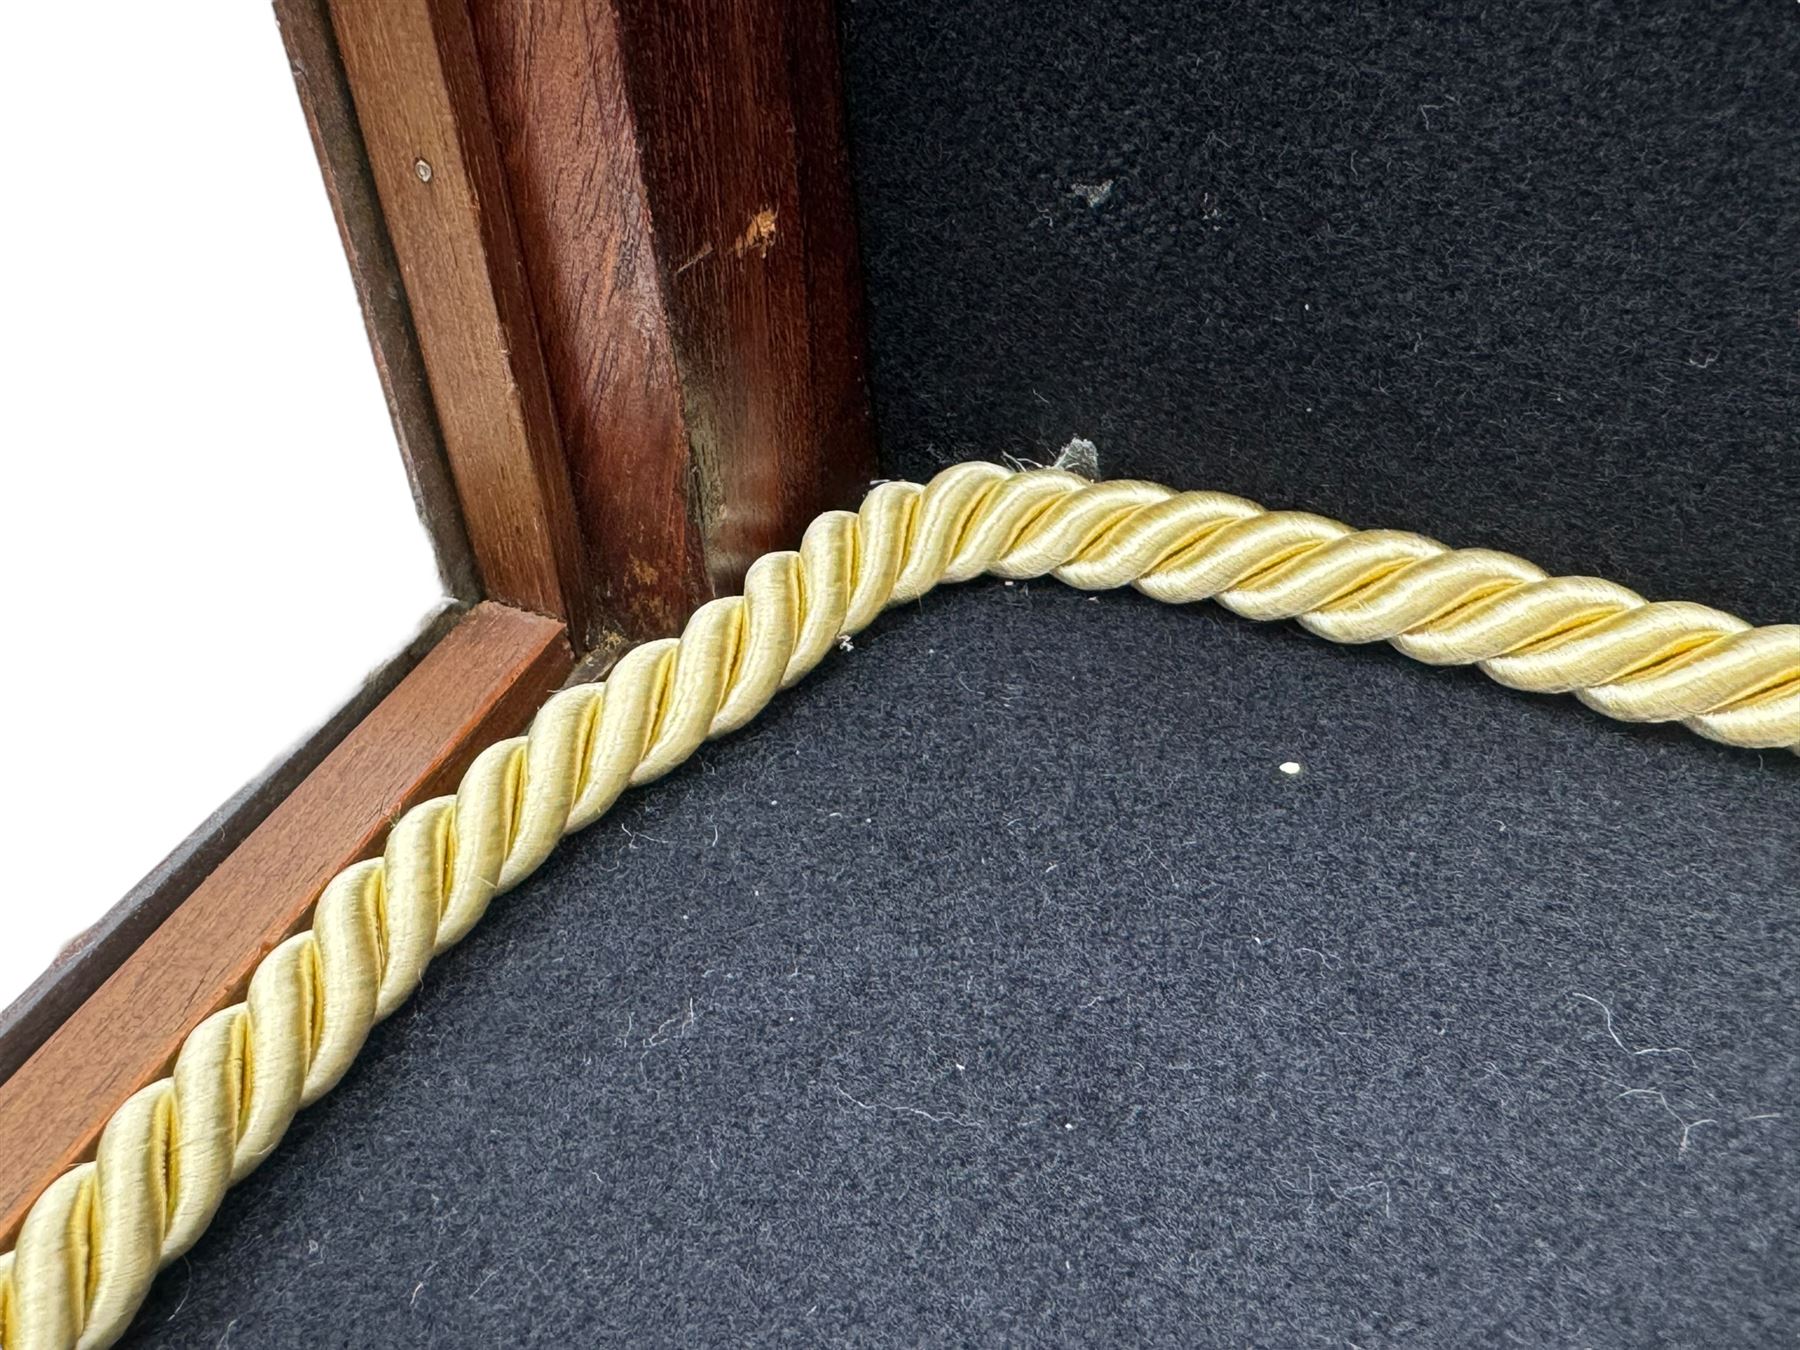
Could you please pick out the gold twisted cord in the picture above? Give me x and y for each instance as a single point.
(95, 1238)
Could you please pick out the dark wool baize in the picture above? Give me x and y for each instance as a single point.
(1514, 275)
(1000, 985)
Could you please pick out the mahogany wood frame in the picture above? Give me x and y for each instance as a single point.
(482, 681)
(606, 255)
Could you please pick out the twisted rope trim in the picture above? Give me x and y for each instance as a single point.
(97, 1236)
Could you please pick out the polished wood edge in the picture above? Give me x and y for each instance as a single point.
(417, 91)
(562, 117)
(324, 92)
(679, 177)
(84, 965)
(745, 159)
(482, 682)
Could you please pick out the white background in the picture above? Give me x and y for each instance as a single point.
(206, 534)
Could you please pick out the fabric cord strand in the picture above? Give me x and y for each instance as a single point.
(95, 1238)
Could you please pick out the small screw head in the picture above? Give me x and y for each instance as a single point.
(423, 169)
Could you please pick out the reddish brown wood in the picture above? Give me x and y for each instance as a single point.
(416, 84)
(87, 962)
(555, 75)
(343, 160)
(678, 171)
(480, 683)
(740, 115)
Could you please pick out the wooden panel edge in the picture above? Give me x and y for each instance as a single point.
(482, 682)
(416, 85)
(745, 160)
(324, 92)
(680, 191)
(567, 137)
(86, 963)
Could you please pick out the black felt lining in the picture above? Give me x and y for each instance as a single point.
(998, 986)
(1524, 275)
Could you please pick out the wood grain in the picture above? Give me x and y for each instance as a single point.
(556, 80)
(679, 177)
(746, 164)
(86, 963)
(482, 682)
(416, 84)
(325, 100)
